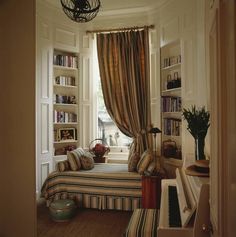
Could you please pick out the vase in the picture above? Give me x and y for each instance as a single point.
(199, 148)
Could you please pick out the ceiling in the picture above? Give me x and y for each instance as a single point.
(109, 5)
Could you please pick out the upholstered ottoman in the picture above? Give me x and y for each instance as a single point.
(62, 210)
(143, 223)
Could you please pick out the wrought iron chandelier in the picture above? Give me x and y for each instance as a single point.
(81, 10)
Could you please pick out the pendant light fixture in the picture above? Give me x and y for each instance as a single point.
(81, 11)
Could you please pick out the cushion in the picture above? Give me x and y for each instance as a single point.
(143, 223)
(151, 167)
(144, 161)
(74, 160)
(87, 161)
(63, 166)
(133, 162)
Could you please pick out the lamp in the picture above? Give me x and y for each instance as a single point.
(154, 131)
(81, 10)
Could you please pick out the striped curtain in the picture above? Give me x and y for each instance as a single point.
(125, 78)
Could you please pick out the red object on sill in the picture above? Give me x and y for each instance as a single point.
(151, 191)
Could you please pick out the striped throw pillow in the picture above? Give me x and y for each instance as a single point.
(74, 160)
(87, 161)
(63, 166)
(145, 160)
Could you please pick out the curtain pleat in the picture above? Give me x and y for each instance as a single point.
(125, 78)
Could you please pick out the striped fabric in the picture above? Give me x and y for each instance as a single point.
(73, 158)
(63, 166)
(87, 161)
(144, 162)
(143, 223)
(133, 162)
(115, 189)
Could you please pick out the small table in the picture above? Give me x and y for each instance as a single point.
(100, 159)
(151, 191)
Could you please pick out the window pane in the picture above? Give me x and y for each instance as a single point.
(107, 130)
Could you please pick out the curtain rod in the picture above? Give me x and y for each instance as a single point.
(119, 29)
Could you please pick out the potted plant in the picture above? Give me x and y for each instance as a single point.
(198, 124)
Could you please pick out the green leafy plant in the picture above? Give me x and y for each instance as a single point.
(198, 121)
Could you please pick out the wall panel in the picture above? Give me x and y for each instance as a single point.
(86, 128)
(170, 31)
(44, 171)
(45, 128)
(66, 39)
(45, 72)
(86, 78)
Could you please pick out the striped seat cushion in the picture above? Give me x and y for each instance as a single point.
(143, 223)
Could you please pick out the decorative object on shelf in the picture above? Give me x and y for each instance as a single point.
(64, 150)
(198, 124)
(173, 83)
(67, 134)
(98, 148)
(154, 131)
(81, 11)
(169, 148)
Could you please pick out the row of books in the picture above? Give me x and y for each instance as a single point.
(172, 126)
(64, 117)
(65, 81)
(171, 104)
(167, 62)
(65, 60)
(64, 99)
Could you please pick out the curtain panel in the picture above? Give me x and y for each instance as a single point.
(125, 78)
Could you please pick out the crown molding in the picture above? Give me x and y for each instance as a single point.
(107, 13)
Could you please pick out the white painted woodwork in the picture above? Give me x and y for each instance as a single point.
(85, 127)
(66, 38)
(45, 169)
(44, 148)
(45, 129)
(170, 31)
(86, 107)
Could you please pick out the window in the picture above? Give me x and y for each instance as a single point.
(107, 130)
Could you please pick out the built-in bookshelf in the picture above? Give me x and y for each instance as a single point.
(171, 101)
(65, 101)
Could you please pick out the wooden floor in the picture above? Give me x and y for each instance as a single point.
(86, 223)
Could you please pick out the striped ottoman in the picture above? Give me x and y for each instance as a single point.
(143, 223)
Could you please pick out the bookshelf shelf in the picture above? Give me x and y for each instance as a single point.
(171, 67)
(72, 123)
(178, 89)
(57, 67)
(63, 104)
(65, 141)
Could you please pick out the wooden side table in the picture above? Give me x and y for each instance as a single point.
(151, 191)
(100, 159)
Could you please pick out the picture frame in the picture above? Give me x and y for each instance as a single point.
(66, 134)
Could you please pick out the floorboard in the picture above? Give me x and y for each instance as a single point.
(86, 223)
